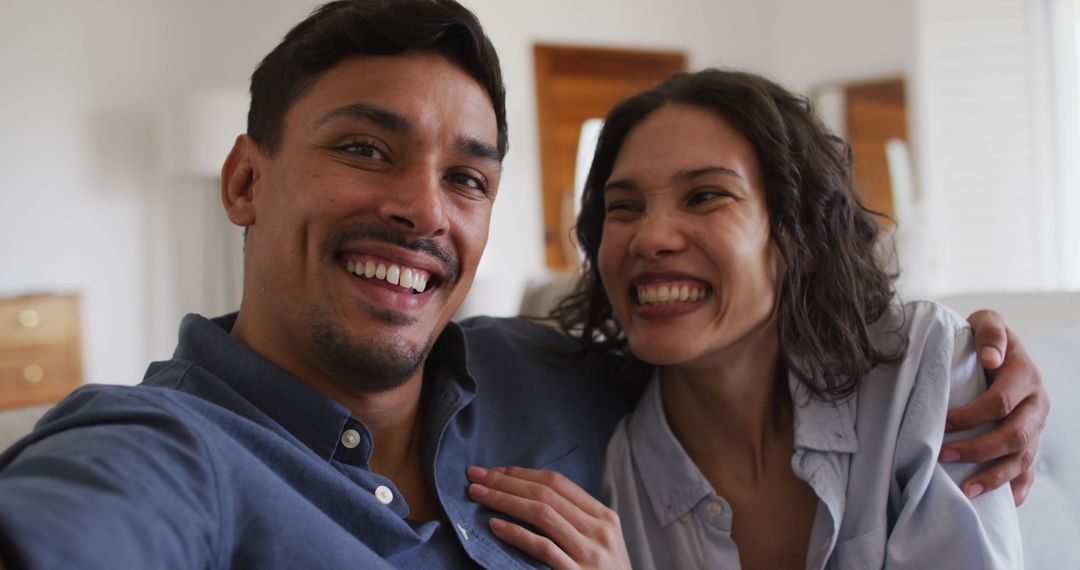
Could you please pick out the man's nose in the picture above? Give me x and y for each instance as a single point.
(659, 234)
(417, 205)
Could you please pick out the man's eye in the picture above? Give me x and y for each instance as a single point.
(363, 149)
(468, 181)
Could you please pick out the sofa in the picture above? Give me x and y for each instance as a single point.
(1049, 326)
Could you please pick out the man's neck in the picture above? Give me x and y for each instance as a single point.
(396, 423)
(393, 417)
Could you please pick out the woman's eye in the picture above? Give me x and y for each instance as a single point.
(702, 196)
(622, 206)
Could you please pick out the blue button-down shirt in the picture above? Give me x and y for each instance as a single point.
(220, 459)
(884, 501)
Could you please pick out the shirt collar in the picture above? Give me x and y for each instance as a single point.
(311, 417)
(673, 484)
(821, 425)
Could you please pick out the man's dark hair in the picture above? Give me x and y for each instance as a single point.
(834, 286)
(339, 29)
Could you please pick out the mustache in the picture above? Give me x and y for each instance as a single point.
(343, 235)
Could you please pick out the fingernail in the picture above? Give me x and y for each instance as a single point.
(477, 472)
(950, 456)
(974, 490)
(478, 490)
(991, 354)
(499, 469)
(948, 427)
(498, 524)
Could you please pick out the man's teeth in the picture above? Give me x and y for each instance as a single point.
(670, 294)
(405, 277)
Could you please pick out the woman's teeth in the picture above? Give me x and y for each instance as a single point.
(658, 295)
(404, 277)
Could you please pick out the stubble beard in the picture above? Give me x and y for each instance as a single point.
(380, 362)
(374, 364)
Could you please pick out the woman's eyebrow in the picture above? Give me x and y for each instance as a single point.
(681, 176)
(621, 184)
(684, 175)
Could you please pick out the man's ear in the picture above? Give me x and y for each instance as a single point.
(238, 177)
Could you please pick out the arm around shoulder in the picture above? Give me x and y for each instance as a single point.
(936, 525)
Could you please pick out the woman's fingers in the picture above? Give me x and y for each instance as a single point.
(575, 526)
(532, 503)
(539, 547)
(560, 484)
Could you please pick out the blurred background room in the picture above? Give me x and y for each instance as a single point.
(117, 114)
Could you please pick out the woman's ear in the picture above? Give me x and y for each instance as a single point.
(239, 175)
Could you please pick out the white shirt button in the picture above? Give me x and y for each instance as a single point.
(384, 494)
(350, 438)
(715, 509)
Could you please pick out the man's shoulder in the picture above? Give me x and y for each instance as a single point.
(535, 351)
(517, 331)
(100, 405)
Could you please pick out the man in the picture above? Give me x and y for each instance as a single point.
(331, 421)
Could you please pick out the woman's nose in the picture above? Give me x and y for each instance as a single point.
(658, 235)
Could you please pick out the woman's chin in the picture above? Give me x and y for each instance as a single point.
(662, 353)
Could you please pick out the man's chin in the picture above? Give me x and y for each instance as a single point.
(377, 363)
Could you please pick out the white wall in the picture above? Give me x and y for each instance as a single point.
(828, 41)
(87, 204)
(81, 187)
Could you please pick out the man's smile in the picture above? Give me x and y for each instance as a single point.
(406, 277)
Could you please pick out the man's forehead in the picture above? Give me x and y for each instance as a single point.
(421, 87)
(397, 80)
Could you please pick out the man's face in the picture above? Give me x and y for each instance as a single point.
(369, 220)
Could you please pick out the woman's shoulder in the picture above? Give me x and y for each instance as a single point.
(939, 368)
(918, 319)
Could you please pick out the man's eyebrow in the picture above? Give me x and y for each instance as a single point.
(389, 120)
(476, 148)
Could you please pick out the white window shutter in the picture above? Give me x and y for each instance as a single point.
(984, 145)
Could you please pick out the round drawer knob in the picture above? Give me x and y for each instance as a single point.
(29, 318)
(33, 374)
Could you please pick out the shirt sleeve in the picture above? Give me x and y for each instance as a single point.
(936, 525)
(109, 482)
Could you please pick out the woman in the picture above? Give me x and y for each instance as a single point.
(793, 418)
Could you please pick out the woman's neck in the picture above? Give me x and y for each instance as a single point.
(730, 413)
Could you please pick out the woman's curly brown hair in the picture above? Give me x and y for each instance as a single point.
(834, 286)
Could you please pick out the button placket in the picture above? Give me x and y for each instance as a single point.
(384, 494)
(350, 438)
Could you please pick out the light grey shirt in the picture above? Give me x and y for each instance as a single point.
(884, 501)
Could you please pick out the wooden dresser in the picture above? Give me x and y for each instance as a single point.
(40, 353)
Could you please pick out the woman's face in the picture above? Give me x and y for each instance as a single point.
(686, 256)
